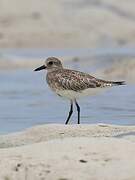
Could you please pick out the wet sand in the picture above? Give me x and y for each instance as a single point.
(69, 152)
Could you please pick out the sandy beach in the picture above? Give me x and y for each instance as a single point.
(68, 24)
(59, 152)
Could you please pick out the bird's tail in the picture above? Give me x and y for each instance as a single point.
(113, 83)
(117, 83)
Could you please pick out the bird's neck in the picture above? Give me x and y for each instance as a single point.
(54, 69)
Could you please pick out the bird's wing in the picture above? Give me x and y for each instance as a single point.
(75, 80)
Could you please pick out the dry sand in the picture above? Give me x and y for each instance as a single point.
(66, 23)
(72, 152)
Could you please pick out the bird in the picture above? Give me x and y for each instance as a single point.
(72, 84)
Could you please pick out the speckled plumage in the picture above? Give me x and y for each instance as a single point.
(66, 79)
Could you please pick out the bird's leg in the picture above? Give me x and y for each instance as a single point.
(78, 110)
(70, 112)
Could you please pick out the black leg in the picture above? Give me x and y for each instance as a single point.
(70, 112)
(78, 109)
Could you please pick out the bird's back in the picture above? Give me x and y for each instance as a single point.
(66, 79)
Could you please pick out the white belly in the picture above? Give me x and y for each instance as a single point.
(69, 94)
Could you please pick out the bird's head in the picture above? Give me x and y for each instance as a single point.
(51, 63)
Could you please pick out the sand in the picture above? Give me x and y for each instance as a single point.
(67, 24)
(59, 152)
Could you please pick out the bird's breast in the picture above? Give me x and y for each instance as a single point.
(70, 94)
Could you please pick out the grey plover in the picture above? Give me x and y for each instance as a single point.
(72, 84)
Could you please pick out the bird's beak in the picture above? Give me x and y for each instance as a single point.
(40, 68)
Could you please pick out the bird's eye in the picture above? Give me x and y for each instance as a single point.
(50, 63)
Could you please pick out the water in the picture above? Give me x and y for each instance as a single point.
(26, 100)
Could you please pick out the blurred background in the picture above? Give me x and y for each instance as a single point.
(95, 36)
